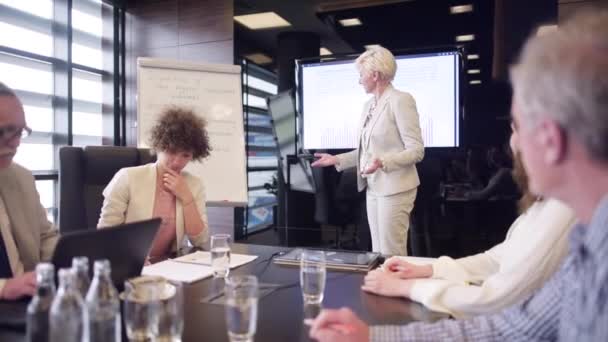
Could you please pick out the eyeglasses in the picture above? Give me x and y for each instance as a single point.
(11, 132)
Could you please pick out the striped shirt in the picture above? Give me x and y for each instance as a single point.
(572, 306)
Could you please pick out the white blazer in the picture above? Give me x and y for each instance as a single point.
(394, 137)
(130, 197)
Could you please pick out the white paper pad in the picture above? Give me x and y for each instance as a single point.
(178, 271)
(192, 267)
(204, 258)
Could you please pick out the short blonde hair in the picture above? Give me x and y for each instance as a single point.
(378, 59)
(563, 75)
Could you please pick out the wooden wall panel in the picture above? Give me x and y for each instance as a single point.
(156, 24)
(212, 52)
(567, 8)
(205, 21)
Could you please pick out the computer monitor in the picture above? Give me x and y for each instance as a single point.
(282, 109)
(331, 99)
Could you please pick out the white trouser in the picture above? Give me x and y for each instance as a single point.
(389, 221)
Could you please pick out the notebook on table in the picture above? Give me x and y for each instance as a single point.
(338, 260)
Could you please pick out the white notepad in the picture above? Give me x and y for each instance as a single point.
(192, 267)
(204, 258)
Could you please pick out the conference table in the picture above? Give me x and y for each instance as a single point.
(281, 311)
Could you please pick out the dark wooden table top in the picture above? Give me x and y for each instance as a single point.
(281, 311)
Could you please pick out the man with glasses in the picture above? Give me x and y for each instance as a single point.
(26, 236)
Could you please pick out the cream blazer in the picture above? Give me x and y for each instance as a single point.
(130, 197)
(394, 137)
(33, 235)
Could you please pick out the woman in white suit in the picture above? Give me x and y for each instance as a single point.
(163, 189)
(390, 144)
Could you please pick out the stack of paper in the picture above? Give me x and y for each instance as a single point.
(192, 267)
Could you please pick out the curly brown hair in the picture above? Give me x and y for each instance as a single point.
(180, 129)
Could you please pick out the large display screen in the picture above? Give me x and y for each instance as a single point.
(331, 99)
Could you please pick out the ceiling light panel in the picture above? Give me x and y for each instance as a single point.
(261, 21)
(259, 58)
(323, 51)
(350, 22)
(473, 71)
(472, 56)
(465, 38)
(461, 9)
(475, 82)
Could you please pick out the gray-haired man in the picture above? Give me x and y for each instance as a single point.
(26, 236)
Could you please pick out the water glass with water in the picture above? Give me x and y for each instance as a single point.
(141, 303)
(171, 313)
(241, 307)
(220, 255)
(312, 276)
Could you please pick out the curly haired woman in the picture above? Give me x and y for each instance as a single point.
(163, 189)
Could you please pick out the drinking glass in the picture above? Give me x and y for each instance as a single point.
(220, 255)
(312, 276)
(171, 313)
(141, 304)
(241, 307)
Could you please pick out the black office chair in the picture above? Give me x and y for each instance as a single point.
(338, 205)
(83, 174)
(420, 237)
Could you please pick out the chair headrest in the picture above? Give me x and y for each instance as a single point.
(102, 162)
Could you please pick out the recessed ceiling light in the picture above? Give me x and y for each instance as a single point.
(473, 71)
(350, 22)
(371, 46)
(323, 51)
(461, 9)
(545, 29)
(465, 37)
(264, 20)
(475, 82)
(259, 58)
(473, 56)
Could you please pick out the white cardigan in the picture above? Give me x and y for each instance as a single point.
(504, 275)
(130, 197)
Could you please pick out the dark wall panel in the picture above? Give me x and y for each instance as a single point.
(568, 7)
(156, 24)
(212, 52)
(205, 21)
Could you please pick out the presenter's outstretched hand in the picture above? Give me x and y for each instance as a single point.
(406, 270)
(325, 159)
(339, 325)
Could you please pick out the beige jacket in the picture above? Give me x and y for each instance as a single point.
(130, 197)
(33, 235)
(395, 138)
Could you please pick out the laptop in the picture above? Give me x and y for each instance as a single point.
(125, 246)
